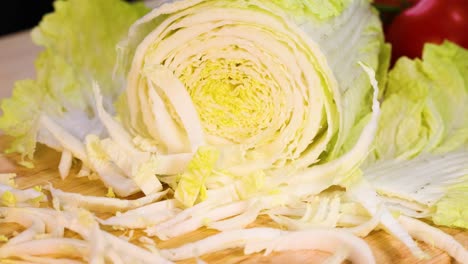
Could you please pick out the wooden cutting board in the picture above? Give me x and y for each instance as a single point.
(386, 249)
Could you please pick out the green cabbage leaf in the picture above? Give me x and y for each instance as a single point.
(79, 41)
(267, 84)
(420, 152)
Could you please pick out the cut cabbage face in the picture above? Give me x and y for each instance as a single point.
(274, 90)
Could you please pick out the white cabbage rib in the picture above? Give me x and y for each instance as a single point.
(436, 237)
(66, 140)
(100, 204)
(269, 239)
(61, 247)
(363, 193)
(10, 196)
(422, 180)
(144, 216)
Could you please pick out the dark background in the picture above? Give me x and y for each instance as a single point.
(17, 15)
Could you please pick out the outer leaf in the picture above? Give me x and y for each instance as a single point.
(426, 104)
(421, 145)
(79, 40)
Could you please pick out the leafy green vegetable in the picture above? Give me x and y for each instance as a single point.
(452, 209)
(426, 104)
(421, 150)
(79, 40)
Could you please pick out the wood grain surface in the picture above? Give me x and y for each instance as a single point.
(385, 248)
